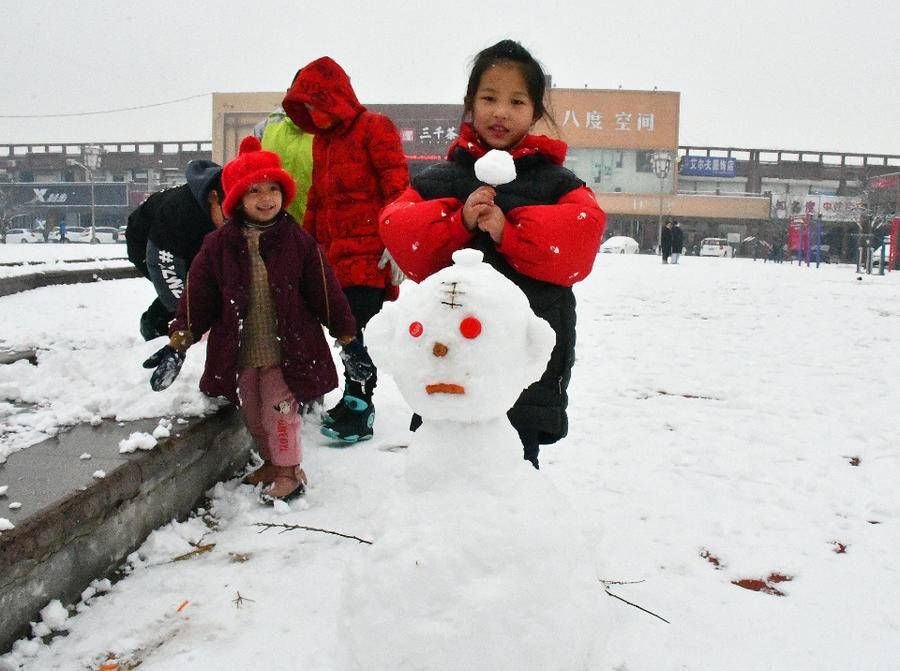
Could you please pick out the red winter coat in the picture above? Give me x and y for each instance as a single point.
(550, 241)
(358, 168)
(554, 222)
(306, 296)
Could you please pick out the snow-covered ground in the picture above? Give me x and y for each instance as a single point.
(731, 421)
(43, 257)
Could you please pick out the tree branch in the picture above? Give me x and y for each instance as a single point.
(296, 527)
(616, 596)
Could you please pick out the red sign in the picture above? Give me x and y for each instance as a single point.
(884, 181)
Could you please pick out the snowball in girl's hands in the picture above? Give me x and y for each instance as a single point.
(496, 167)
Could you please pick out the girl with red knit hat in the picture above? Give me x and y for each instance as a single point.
(262, 288)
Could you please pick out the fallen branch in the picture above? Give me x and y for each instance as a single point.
(300, 527)
(239, 600)
(616, 596)
(199, 550)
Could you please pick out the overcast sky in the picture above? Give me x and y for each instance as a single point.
(818, 74)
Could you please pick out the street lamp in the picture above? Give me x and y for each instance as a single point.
(662, 162)
(91, 154)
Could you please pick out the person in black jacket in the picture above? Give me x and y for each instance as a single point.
(665, 242)
(164, 235)
(677, 241)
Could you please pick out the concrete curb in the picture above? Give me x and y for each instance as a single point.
(15, 284)
(88, 531)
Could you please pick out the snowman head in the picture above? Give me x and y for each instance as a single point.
(462, 344)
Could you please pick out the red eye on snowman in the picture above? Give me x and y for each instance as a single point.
(470, 328)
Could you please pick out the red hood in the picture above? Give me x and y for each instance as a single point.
(468, 141)
(324, 85)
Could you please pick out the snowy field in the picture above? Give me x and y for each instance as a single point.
(731, 422)
(42, 257)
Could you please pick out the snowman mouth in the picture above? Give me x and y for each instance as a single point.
(445, 388)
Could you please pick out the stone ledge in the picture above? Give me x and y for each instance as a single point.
(15, 284)
(76, 528)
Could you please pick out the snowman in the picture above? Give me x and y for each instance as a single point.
(479, 564)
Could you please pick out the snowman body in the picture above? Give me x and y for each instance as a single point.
(479, 563)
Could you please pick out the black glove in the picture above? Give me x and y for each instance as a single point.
(357, 363)
(153, 360)
(167, 362)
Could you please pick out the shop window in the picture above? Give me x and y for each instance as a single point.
(644, 161)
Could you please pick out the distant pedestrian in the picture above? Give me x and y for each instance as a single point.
(677, 241)
(665, 242)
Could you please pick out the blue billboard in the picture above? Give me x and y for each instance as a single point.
(707, 166)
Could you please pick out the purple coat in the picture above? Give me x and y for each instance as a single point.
(305, 292)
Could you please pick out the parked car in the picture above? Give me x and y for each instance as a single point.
(106, 234)
(21, 236)
(73, 234)
(620, 244)
(876, 255)
(715, 247)
(78, 234)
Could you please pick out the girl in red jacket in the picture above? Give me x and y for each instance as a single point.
(358, 168)
(263, 290)
(541, 230)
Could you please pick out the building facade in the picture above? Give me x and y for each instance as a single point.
(50, 183)
(614, 136)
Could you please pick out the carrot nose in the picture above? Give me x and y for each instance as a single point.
(439, 349)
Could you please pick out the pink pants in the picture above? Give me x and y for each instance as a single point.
(270, 414)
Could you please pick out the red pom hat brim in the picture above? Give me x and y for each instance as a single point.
(251, 166)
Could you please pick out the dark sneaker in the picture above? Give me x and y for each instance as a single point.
(336, 414)
(355, 422)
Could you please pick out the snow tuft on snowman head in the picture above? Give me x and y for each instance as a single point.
(462, 344)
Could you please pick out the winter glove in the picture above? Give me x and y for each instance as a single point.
(357, 363)
(153, 360)
(167, 369)
(397, 275)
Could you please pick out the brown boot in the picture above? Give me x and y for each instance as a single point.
(264, 474)
(288, 483)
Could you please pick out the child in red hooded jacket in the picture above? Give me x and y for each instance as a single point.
(358, 168)
(541, 230)
(263, 290)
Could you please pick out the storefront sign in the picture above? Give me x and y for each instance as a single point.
(707, 166)
(831, 208)
(69, 194)
(614, 119)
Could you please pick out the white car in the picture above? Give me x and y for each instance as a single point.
(620, 244)
(21, 236)
(105, 234)
(83, 234)
(876, 255)
(77, 234)
(715, 247)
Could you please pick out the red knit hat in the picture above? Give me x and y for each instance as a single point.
(251, 166)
